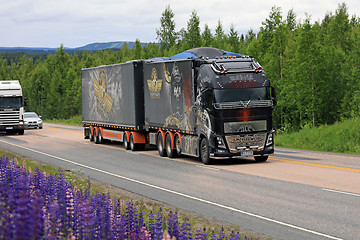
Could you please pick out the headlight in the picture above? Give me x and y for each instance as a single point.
(270, 139)
(220, 142)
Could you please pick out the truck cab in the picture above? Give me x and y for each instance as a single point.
(235, 102)
(11, 107)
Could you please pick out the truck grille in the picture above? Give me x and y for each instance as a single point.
(243, 104)
(249, 142)
(9, 117)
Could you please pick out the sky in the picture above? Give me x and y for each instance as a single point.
(75, 23)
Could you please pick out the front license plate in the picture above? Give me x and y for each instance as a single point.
(247, 154)
(8, 128)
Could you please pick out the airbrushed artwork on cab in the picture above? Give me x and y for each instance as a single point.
(168, 91)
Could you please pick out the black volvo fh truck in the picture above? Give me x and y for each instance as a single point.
(204, 102)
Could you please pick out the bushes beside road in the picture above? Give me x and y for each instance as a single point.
(341, 137)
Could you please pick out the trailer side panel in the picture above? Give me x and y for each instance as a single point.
(113, 95)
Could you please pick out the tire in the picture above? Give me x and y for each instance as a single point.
(168, 146)
(21, 132)
(91, 137)
(126, 143)
(133, 146)
(160, 146)
(261, 158)
(98, 138)
(204, 152)
(177, 145)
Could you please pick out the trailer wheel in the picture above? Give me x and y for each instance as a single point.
(177, 145)
(261, 158)
(99, 139)
(126, 142)
(204, 151)
(133, 146)
(160, 146)
(91, 137)
(168, 146)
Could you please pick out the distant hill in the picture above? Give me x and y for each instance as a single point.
(89, 47)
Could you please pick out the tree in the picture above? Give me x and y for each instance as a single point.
(233, 39)
(167, 35)
(219, 40)
(206, 36)
(192, 35)
(137, 50)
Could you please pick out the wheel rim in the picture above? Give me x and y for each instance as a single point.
(178, 145)
(100, 137)
(160, 146)
(132, 146)
(159, 143)
(168, 144)
(126, 143)
(204, 151)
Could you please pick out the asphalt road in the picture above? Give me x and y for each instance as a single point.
(294, 195)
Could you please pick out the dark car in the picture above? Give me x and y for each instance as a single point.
(32, 120)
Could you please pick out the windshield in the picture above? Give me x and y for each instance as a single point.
(243, 94)
(30, 115)
(10, 102)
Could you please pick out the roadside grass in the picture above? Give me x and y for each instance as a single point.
(143, 204)
(74, 120)
(341, 137)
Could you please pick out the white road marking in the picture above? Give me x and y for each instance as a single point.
(179, 193)
(347, 193)
(210, 168)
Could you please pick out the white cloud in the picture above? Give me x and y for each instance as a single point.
(47, 23)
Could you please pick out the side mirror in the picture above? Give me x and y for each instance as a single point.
(25, 102)
(273, 95)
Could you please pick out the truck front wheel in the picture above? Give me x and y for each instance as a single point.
(160, 145)
(204, 152)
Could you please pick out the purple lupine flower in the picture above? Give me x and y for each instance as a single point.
(185, 231)
(144, 234)
(22, 220)
(158, 230)
(37, 215)
(140, 221)
(173, 225)
(70, 211)
(221, 234)
(212, 236)
(201, 235)
(235, 236)
(151, 224)
(130, 216)
(86, 219)
(119, 229)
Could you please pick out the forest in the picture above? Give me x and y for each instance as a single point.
(314, 65)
